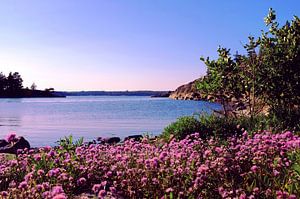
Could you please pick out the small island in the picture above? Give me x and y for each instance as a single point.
(12, 87)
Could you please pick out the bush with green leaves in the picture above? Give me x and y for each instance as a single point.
(219, 126)
(268, 76)
(68, 143)
(181, 128)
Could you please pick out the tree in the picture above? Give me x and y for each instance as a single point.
(14, 84)
(268, 74)
(33, 86)
(2, 83)
(280, 71)
(222, 81)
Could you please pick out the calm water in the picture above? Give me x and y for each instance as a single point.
(44, 120)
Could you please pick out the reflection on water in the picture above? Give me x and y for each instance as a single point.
(44, 120)
(9, 121)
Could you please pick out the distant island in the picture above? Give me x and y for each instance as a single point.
(11, 86)
(114, 93)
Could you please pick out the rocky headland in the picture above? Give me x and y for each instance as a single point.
(187, 91)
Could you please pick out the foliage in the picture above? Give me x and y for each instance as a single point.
(182, 127)
(222, 79)
(294, 157)
(268, 75)
(280, 64)
(263, 165)
(217, 126)
(11, 85)
(68, 144)
(33, 86)
(280, 120)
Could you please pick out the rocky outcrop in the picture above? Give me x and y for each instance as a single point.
(134, 137)
(162, 94)
(109, 140)
(187, 92)
(20, 144)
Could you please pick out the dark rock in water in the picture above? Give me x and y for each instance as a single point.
(109, 140)
(90, 143)
(22, 143)
(100, 139)
(113, 140)
(134, 137)
(3, 143)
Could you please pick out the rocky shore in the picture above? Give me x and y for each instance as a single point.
(187, 92)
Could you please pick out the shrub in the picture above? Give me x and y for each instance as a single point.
(218, 126)
(68, 143)
(181, 128)
(282, 119)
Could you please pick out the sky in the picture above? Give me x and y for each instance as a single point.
(74, 45)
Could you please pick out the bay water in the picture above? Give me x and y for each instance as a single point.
(43, 121)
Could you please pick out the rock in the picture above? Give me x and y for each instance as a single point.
(109, 140)
(162, 94)
(187, 92)
(3, 143)
(90, 143)
(134, 137)
(99, 139)
(21, 143)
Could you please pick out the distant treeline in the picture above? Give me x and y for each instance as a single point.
(12, 86)
(116, 93)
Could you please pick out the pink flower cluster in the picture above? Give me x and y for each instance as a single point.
(12, 137)
(258, 166)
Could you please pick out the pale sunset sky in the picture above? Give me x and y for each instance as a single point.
(124, 44)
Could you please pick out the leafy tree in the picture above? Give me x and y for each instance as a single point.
(2, 83)
(33, 86)
(280, 70)
(14, 84)
(268, 75)
(222, 79)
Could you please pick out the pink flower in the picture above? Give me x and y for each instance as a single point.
(96, 188)
(81, 181)
(162, 156)
(256, 190)
(112, 189)
(23, 185)
(292, 196)
(60, 196)
(57, 190)
(144, 180)
(102, 194)
(4, 193)
(37, 157)
(168, 190)
(275, 172)
(12, 137)
(254, 169)
(39, 187)
(40, 172)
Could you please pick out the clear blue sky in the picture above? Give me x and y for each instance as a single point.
(124, 45)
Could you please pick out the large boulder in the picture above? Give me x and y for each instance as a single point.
(109, 140)
(3, 143)
(13, 148)
(134, 137)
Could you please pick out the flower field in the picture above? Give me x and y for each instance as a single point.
(263, 165)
